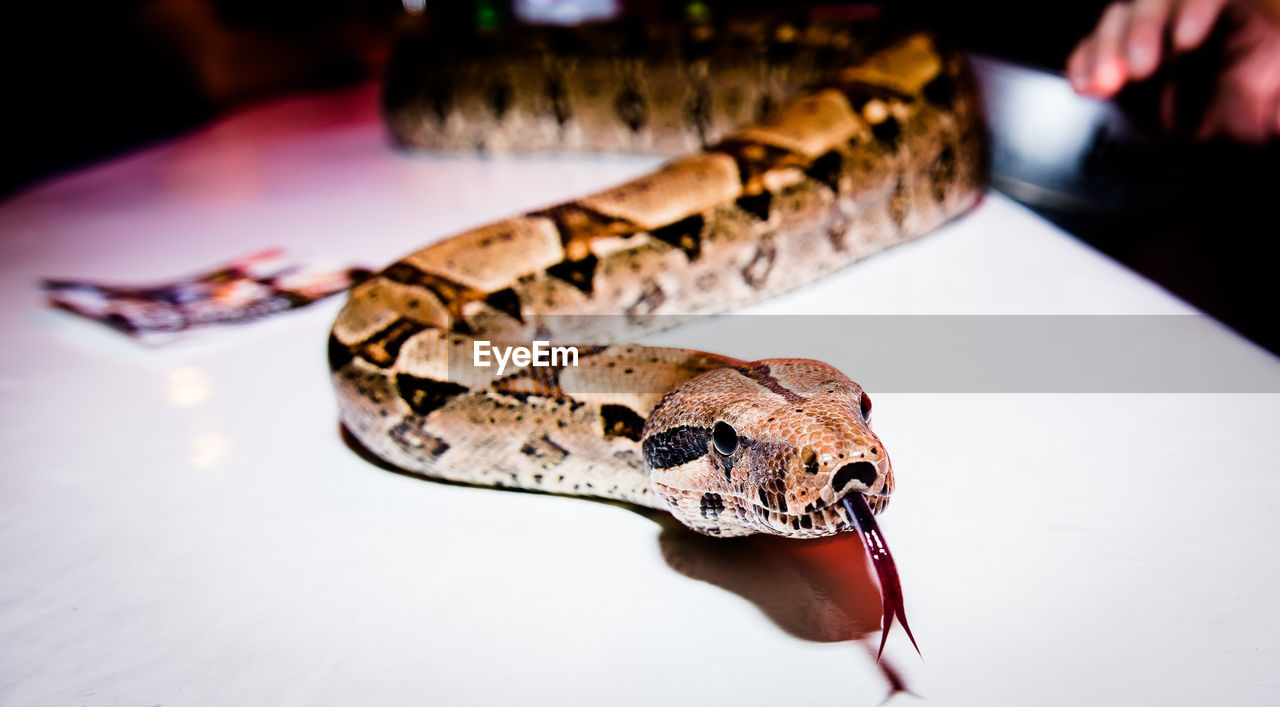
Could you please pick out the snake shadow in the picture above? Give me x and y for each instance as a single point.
(821, 590)
(817, 590)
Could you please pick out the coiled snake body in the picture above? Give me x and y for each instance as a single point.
(873, 149)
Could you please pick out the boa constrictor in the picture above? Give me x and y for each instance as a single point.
(886, 147)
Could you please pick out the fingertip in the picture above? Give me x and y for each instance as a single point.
(1194, 21)
(1079, 64)
(1143, 53)
(1075, 69)
(1188, 33)
(1107, 69)
(1109, 75)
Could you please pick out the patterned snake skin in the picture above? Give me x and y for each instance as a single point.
(802, 154)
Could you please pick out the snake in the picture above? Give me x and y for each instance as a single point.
(797, 148)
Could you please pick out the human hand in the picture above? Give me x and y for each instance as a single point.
(1128, 45)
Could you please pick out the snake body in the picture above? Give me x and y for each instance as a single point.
(876, 146)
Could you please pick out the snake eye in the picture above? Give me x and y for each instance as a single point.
(725, 438)
(865, 404)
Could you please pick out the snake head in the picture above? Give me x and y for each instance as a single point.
(766, 447)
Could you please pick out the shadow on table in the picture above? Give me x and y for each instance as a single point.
(816, 590)
(820, 590)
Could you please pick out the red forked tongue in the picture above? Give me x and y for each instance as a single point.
(890, 591)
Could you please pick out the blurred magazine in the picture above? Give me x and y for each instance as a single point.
(245, 289)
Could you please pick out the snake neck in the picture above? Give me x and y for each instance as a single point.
(572, 429)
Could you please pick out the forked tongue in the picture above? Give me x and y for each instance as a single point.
(890, 591)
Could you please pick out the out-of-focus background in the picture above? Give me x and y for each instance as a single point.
(84, 81)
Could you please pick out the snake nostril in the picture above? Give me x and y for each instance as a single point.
(863, 472)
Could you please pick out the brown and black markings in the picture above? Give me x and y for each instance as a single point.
(881, 151)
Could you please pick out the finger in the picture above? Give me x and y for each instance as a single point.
(1108, 68)
(1245, 109)
(1273, 129)
(1237, 122)
(1146, 35)
(1212, 124)
(1195, 18)
(1078, 65)
(1169, 107)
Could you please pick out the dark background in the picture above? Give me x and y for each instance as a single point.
(87, 80)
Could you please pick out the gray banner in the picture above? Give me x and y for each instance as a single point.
(966, 354)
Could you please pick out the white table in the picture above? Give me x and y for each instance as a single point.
(184, 525)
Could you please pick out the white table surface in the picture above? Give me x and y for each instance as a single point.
(184, 525)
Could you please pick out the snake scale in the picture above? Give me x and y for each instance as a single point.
(805, 147)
